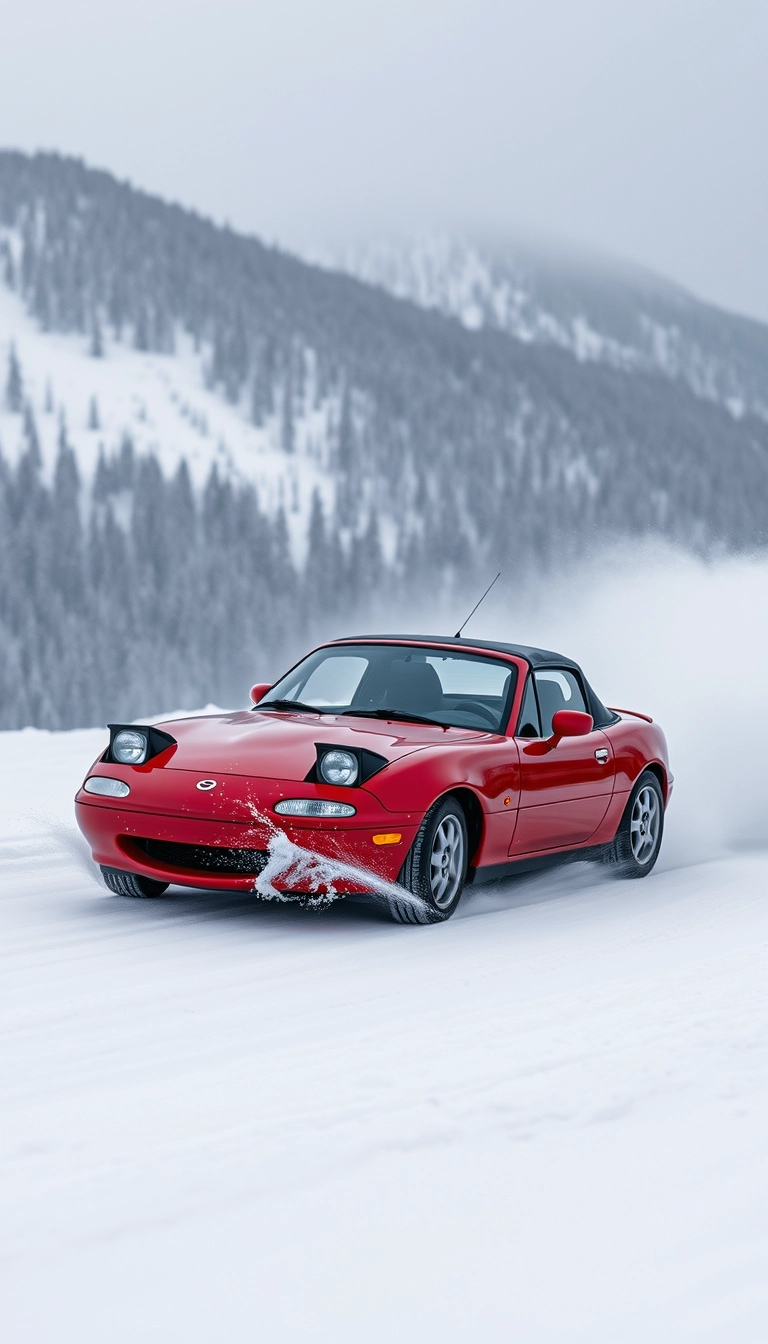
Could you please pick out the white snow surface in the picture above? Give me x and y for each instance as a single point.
(544, 1120)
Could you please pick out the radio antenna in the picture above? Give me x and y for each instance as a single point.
(474, 609)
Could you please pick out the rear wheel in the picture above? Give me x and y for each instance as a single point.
(131, 884)
(435, 868)
(635, 847)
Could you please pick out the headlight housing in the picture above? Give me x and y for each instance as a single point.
(135, 744)
(343, 765)
(339, 767)
(313, 807)
(129, 747)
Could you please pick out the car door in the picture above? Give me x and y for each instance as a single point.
(566, 785)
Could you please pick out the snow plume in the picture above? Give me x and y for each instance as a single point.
(312, 875)
(687, 642)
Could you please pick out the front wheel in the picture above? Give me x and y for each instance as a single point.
(635, 847)
(131, 884)
(435, 868)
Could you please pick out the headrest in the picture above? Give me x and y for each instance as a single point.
(414, 686)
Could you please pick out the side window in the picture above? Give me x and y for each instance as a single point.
(529, 725)
(557, 689)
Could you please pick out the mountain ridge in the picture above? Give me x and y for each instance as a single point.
(407, 398)
(600, 307)
(235, 449)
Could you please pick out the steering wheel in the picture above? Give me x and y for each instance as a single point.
(477, 707)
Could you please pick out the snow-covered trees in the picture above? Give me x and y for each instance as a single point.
(455, 452)
(138, 594)
(435, 422)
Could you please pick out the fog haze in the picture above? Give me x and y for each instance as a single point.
(639, 130)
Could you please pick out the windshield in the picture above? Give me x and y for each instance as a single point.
(462, 690)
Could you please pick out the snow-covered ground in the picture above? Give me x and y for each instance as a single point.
(542, 1121)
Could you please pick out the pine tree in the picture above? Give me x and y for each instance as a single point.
(101, 479)
(236, 359)
(150, 539)
(14, 386)
(125, 466)
(66, 542)
(31, 437)
(93, 414)
(97, 344)
(116, 306)
(262, 389)
(316, 549)
(9, 270)
(345, 453)
(141, 329)
(288, 435)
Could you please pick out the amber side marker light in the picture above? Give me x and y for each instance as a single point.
(390, 838)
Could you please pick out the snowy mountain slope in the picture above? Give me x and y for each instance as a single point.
(542, 1121)
(395, 406)
(597, 308)
(163, 403)
(288, 451)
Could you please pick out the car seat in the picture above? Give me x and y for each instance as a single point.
(414, 686)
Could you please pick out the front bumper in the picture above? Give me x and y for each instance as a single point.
(114, 834)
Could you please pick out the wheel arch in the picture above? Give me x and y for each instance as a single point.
(473, 815)
(657, 769)
(649, 768)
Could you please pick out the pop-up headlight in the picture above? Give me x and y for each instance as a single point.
(344, 766)
(339, 767)
(129, 745)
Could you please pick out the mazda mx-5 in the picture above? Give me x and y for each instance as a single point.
(408, 766)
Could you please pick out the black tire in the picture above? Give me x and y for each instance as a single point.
(131, 884)
(636, 859)
(416, 875)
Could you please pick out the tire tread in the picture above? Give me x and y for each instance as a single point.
(131, 884)
(421, 911)
(618, 853)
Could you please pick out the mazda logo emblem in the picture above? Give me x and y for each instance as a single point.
(205, 784)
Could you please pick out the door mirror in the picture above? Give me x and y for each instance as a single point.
(260, 690)
(571, 723)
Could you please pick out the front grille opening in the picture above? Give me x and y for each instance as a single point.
(205, 858)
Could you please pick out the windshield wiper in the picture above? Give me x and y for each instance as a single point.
(291, 704)
(395, 714)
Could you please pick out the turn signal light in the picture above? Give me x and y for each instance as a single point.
(107, 788)
(313, 807)
(389, 838)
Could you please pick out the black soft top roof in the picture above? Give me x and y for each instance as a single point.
(534, 657)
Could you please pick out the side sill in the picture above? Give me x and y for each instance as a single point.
(500, 872)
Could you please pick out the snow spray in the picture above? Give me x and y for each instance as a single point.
(310, 872)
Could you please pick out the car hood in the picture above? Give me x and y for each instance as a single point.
(283, 745)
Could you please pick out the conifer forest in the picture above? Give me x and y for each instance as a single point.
(444, 455)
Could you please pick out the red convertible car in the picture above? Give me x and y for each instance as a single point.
(407, 766)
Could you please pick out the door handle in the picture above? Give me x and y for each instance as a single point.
(601, 755)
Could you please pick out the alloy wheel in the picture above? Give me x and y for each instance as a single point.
(446, 862)
(645, 824)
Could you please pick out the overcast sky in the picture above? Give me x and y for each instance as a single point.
(637, 126)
